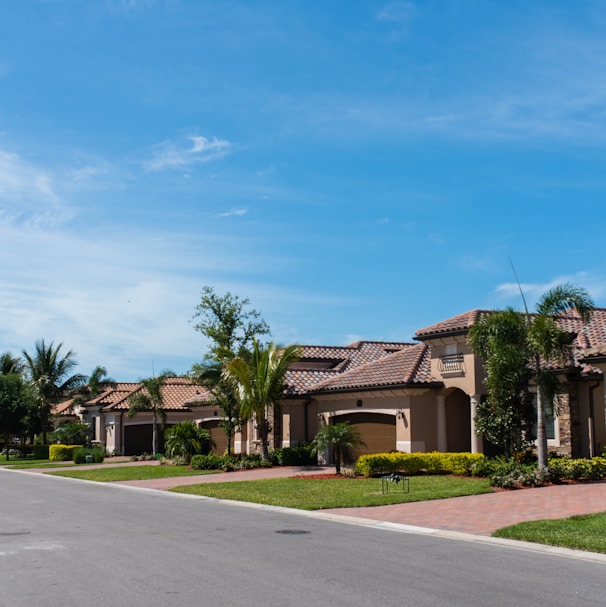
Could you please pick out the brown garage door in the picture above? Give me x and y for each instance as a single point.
(218, 435)
(378, 431)
(138, 439)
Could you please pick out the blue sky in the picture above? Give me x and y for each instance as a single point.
(359, 170)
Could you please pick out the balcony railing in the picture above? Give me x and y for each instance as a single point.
(450, 364)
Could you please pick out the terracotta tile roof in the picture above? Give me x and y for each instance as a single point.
(588, 336)
(456, 324)
(65, 407)
(362, 364)
(406, 367)
(179, 394)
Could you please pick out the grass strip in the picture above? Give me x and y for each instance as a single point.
(130, 473)
(315, 494)
(580, 532)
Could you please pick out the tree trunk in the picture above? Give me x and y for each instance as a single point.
(541, 421)
(154, 436)
(7, 438)
(337, 458)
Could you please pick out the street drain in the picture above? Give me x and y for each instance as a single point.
(13, 533)
(293, 532)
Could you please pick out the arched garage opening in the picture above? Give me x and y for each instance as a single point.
(217, 433)
(378, 431)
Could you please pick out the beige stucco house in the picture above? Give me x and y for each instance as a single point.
(418, 396)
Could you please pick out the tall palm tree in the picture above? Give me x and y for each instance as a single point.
(150, 398)
(550, 343)
(260, 382)
(337, 437)
(50, 375)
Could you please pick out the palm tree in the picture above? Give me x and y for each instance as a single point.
(10, 364)
(507, 416)
(98, 382)
(49, 373)
(259, 383)
(550, 343)
(150, 398)
(337, 437)
(186, 439)
(223, 393)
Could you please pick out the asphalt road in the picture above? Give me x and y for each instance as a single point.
(66, 543)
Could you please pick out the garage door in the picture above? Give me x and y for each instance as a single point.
(378, 431)
(138, 439)
(218, 435)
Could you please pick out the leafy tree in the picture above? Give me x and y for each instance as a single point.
(15, 399)
(223, 395)
(50, 375)
(550, 343)
(511, 350)
(187, 439)
(150, 398)
(230, 326)
(338, 438)
(228, 323)
(259, 384)
(71, 433)
(507, 416)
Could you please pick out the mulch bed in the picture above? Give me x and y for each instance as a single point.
(319, 476)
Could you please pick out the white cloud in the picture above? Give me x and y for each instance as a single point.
(396, 12)
(234, 212)
(510, 291)
(169, 155)
(30, 192)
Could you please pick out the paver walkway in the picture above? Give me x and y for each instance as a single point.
(484, 514)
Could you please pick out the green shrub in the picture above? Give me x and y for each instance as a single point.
(40, 451)
(61, 453)
(300, 454)
(97, 454)
(417, 463)
(212, 461)
(577, 469)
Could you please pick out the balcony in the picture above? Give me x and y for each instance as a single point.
(451, 365)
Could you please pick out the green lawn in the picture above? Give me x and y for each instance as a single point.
(581, 532)
(130, 473)
(339, 493)
(23, 462)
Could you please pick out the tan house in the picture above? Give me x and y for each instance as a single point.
(400, 396)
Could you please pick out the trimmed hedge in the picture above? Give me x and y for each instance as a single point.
(40, 451)
(61, 453)
(97, 453)
(417, 463)
(576, 469)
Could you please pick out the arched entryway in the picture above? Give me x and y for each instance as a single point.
(458, 421)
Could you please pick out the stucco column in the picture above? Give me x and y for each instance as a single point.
(441, 414)
(476, 441)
